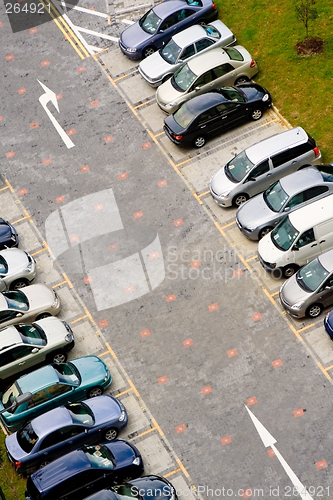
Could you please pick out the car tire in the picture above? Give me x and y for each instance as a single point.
(19, 283)
(148, 51)
(199, 141)
(242, 79)
(94, 392)
(58, 357)
(256, 114)
(264, 231)
(43, 316)
(239, 199)
(314, 310)
(111, 434)
(289, 271)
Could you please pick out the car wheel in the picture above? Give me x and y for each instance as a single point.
(20, 283)
(241, 79)
(148, 51)
(95, 391)
(111, 434)
(264, 231)
(256, 114)
(43, 315)
(199, 141)
(58, 357)
(314, 310)
(289, 271)
(239, 199)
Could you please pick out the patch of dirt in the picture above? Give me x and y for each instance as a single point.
(310, 46)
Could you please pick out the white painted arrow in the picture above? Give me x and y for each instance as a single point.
(269, 441)
(44, 99)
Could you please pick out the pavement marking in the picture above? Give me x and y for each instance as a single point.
(78, 319)
(19, 220)
(186, 474)
(81, 9)
(244, 261)
(143, 104)
(267, 123)
(121, 77)
(293, 329)
(305, 327)
(196, 196)
(230, 224)
(324, 370)
(28, 216)
(96, 33)
(127, 21)
(59, 284)
(251, 258)
(157, 135)
(204, 194)
(136, 392)
(121, 393)
(275, 293)
(270, 297)
(38, 251)
(6, 187)
(157, 426)
(146, 432)
(219, 228)
(182, 163)
(172, 472)
(9, 185)
(110, 350)
(68, 280)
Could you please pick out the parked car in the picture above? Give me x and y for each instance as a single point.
(23, 347)
(258, 216)
(298, 238)
(205, 72)
(65, 429)
(17, 269)
(52, 386)
(257, 167)
(160, 23)
(34, 302)
(209, 114)
(308, 291)
(84, 471)
(8, 235)
(144, 488)
(328, 323)
(161, 65)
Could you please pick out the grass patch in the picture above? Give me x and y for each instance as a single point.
(13, 486)
(301, 87)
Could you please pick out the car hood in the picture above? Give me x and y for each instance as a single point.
(123, 452)
(220, 182)
(155, 66)
(54, 330)
(104, 408)
(268, 251)
(167, 93)
(291, 292)
(16, 259)
(134, 36)
(92, 370)
(39, 296)
(255, 212)
(5, 232)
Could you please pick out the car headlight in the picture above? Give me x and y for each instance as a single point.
(131, 49)
(122, 416)
(28, 268)
(265, 98)
(69, 337)
(13, 237)
(136, 461)
(107, 376)
(225, 194)
(298, 305)
(170, 105)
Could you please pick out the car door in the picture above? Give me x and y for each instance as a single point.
(202, 84)
(284, 163)
(208, 122)
(258, 179)
(60, 394)
(185, 17)
(203, 44)
(23, 358)
(305, 248)
(9, 317)
(231, 113)
(324, 233)
(325, 293)
(61, 441)
(224, 75)
(187, 53)
(167, 29)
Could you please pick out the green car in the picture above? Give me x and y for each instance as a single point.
(52, 386)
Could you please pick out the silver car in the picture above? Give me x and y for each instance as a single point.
(259, 216)
(29, 304)
(17, 269)
(310, 289)
(205, 72)
(182, 47)
(25, 346)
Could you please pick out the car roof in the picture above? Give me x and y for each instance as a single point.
(190, 35)
(326, 259)
(51, 421)
(306, 217)
(276, 143)
(303, 179)
(9, 336)
(201, 103)
(165, 8)
(208, 60)
(38, 379)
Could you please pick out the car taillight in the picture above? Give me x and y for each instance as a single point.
(178, 137)
(316, 152)
(17, 465)
(214, 6)
(253, 63)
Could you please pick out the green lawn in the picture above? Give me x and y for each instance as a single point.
(301, 87)
(12, 485)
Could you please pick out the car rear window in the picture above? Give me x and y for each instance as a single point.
(234, 54)
(183, 116)
(3, 266)
(212, 32)
(27, 438)
(100, 456)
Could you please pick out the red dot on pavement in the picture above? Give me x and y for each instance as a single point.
(58, 96)
(99, 207)
(137, 215)
(80, 69)
(298, 413)
(71, 131)
(213, 307)
(170, 298)
(188, 342)
(145, 333)
(47, 161)
(226, 440)
(60, 199)
(10, 57)
(88, 279)
(129, 289)
(195, 263)
(178, 222)
(146, 145)
(162, 183)
(277, 363)
(34, 125)
(114, 246)
(94, 103)
(123, 175)
(251, 401)
(238, 272)
(271, 453)
(206, 390)
(85, 168)
(108, 138)
(10, 154)
(256, 317)
(180, 428)
(162, 380)
(232, 352)
(32, 31)
(21, 192)
(103, 323)
(153, 255)
(321, 465)
(22, 90)
(45, 63)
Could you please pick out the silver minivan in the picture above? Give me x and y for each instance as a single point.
(310, 289)
(257, 167)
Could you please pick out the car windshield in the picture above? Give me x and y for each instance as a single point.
(10, 395)
(311, 276)
(150, 22)
(31, 334)
(233, 54)
(183, 78)
(27, 438)
(3, 266)
(16, 300)
(212, 32)
(284, 235)
(183, 116)
(67, 373)
(232, 94)
(237, 168)
(81, 413)
(275, 197)
(125, 491)
(100, 456)
(170, 52)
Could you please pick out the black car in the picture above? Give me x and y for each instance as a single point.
(85, 471)
(8, 235)
(209, 114)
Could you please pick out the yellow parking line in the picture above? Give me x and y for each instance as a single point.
(136, 392)
(157, 427)
(78, 319)
(251, 258)
(267, 123)
(19, 220)
(269, 295)
(68, 280)
(9, 185)
(230, 224)
(124, 392)
(103, 50)
(196, 197)
(219, 228)
(59, 284)
(324, 370)
(6, 187)
(204, 194)
(305, 327)
(182, 162)
(146, 432)
(152, 136)
(186, 474)
(88, 313)
(161, 133)
(275, 293)
(295, 332)
(121, 77)
(172, 472)
(329, 368)
(27, 215)
(244, 261)
(142, 104)
(110, 350)
(39, 251)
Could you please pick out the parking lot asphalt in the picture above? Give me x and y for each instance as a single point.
(154, 276)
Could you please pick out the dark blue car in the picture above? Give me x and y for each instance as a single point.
(82, 472)
(328, 323)
(64, 429)
(161, 22)
(8, 235)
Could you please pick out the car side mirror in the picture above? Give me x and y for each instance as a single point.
(35, 350)
(196, 88)
(295, 248)
(328, 287)
(286, 209)
(161, 31)
(19, 314)
(252, 178)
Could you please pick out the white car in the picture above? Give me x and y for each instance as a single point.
(182, 47)
(205, 72)
(17, 269)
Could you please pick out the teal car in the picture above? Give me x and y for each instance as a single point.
(52, 386)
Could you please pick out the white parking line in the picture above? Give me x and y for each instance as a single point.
(81, 9)
(96, 33)
(127, 21)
